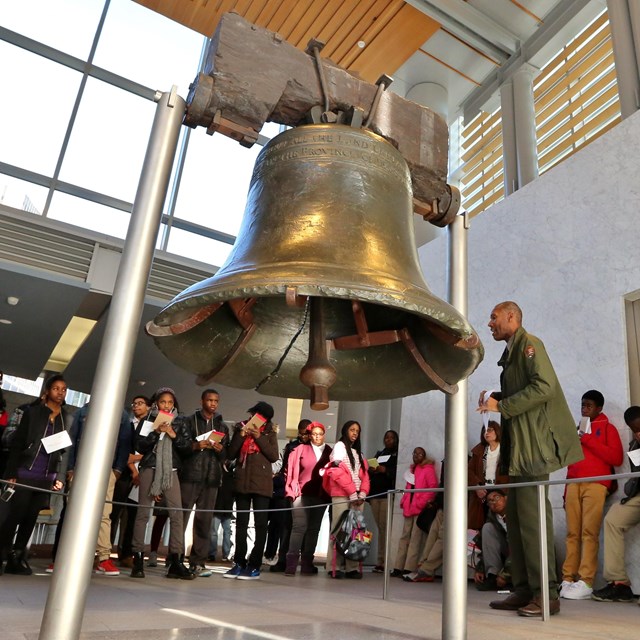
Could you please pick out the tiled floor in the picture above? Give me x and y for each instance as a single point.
(290, 608)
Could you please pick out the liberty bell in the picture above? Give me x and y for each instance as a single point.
(322, 295)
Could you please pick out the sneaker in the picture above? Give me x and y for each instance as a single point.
(269, 561)
(49, 569)
(565, 584)
(418, 576)
(613, 593)
(249, 574)
(153, 559)
(579, 590)
(233, 573)
(225, 559)
(378, 569)
(107, 568)
(398, 573)
(201, 571)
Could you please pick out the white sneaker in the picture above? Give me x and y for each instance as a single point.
(578, 591)
(565, 586)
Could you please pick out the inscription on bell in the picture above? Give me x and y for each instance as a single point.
(349, 146)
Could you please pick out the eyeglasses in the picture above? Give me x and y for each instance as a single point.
(138, 402)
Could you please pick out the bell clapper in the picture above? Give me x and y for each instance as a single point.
(318, 373)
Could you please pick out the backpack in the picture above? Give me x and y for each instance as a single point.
(10, 430)
(350, 535)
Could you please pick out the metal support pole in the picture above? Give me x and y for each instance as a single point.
(454, 586)
(544, 569)
(64, 610)
(387, 545)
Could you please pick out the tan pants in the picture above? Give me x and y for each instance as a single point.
(103, 547)
(410, 546)
(619, 519)
(379, 510)
(433, 551)
(584, 504)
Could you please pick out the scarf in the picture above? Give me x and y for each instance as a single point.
(249, 447)
(163, 475)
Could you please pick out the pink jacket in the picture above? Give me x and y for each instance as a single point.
(303, 472)
(413, 503)
(337, 481)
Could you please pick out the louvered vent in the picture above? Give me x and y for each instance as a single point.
(45, 248)
(40, 245)
(168, 279)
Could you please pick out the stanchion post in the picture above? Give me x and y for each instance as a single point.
(544, 569)
(387, 545)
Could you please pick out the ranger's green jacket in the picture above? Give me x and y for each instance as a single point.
(538, 428)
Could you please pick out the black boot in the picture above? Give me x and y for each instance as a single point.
(291, 563)
(138, 565)
(306, 565)
(177, 569)
(17, 563)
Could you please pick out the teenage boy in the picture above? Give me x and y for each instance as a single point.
(619, 519)
(584, 501)
(201, 475)
(494, 574)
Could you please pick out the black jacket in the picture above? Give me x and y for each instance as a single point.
(204, 466)
(26, 442)
(146, 445)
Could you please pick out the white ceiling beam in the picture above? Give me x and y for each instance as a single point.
(470, 25)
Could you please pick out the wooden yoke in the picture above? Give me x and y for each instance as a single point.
(252, 76)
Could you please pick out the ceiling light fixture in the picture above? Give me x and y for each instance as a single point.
(13, 301)
(70, 341)
(5, 321)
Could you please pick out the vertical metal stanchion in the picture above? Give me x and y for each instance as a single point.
(544, 568)
(66, 601)
(454, 587)
(387, 545)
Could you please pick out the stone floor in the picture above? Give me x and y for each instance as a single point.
(290, 608)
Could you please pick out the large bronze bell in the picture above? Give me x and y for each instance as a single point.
(323, 289)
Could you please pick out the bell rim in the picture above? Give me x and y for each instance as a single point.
(412, 299)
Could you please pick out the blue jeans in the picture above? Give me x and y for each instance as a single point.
(225, 523)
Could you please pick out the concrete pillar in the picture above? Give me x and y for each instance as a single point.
(525, 124)
(432, 95)
(624, 20)
(509, 151)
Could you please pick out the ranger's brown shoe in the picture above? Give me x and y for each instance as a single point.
(512, 602)
(534, 608)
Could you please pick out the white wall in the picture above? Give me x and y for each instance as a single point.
(566, 248)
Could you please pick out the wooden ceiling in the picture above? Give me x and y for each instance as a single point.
(368, 37)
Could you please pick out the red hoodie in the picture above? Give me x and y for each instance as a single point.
(602, 450)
